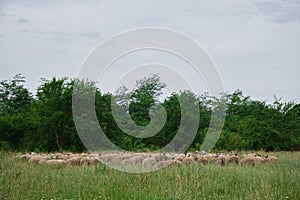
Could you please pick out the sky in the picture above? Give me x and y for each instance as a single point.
(254, 44)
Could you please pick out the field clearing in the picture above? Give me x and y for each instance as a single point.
(281, 180)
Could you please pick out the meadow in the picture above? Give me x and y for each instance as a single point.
(22, 180)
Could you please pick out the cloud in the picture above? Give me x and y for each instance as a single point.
(91, 34)
(55, 33)
(23, 21)
(281, 11)
(245, 38)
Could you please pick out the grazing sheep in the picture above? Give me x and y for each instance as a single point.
(188, 160)
(94, 161)
(56, 162)
(249, 155)
(108, 157)
(36, 159)
(221, 160)
(84, 155)
(258, 159)
(88, 161)
(175, 163)
(133, 160)
(203, 160)
(180, 157)
(62, 157)
(159, 157)
(254, 160)
(74, 161)
(148, 162)
(247, 161)
(166, 163)
(270, 159)
(232, 153)
(210, 156)
(232, 159)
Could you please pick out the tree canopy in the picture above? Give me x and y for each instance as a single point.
(44, 122)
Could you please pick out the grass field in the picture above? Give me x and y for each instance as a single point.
(281, 180)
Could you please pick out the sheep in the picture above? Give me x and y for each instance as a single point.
(166, 163)
(258, 159)
(133, 160)
(94, 161)
(270, 159)
(203, 153)
(232, 153)
(84, 155)
(210, 156)
(56, 162)
(175, 163)
(247, 161)
(108, 157)
(74, 161)
(25, 156)
(188, 160)
(36, 159)
(221, 160)
(62, 157)
(254, 160)
(159, 157)
(180, 157)
(162, 164)
(88, 161)
(249, 155)
(203, 160)
(148, 162)
(232, 159)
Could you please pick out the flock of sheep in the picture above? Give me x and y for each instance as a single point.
(148, 160)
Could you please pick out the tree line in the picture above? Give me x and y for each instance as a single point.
(44, 121)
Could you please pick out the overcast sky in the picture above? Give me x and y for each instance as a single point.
(255, 44)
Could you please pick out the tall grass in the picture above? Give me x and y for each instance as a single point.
(281, 180)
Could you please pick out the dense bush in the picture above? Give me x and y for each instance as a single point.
(44, 122)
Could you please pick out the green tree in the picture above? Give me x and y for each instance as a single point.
(14, 97)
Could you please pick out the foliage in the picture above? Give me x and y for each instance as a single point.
(44, 122)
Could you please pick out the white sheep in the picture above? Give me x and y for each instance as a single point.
(56, 162)
(148, 162)
(135, 160)
(203, 160)
(74, 161)
(270, 159)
